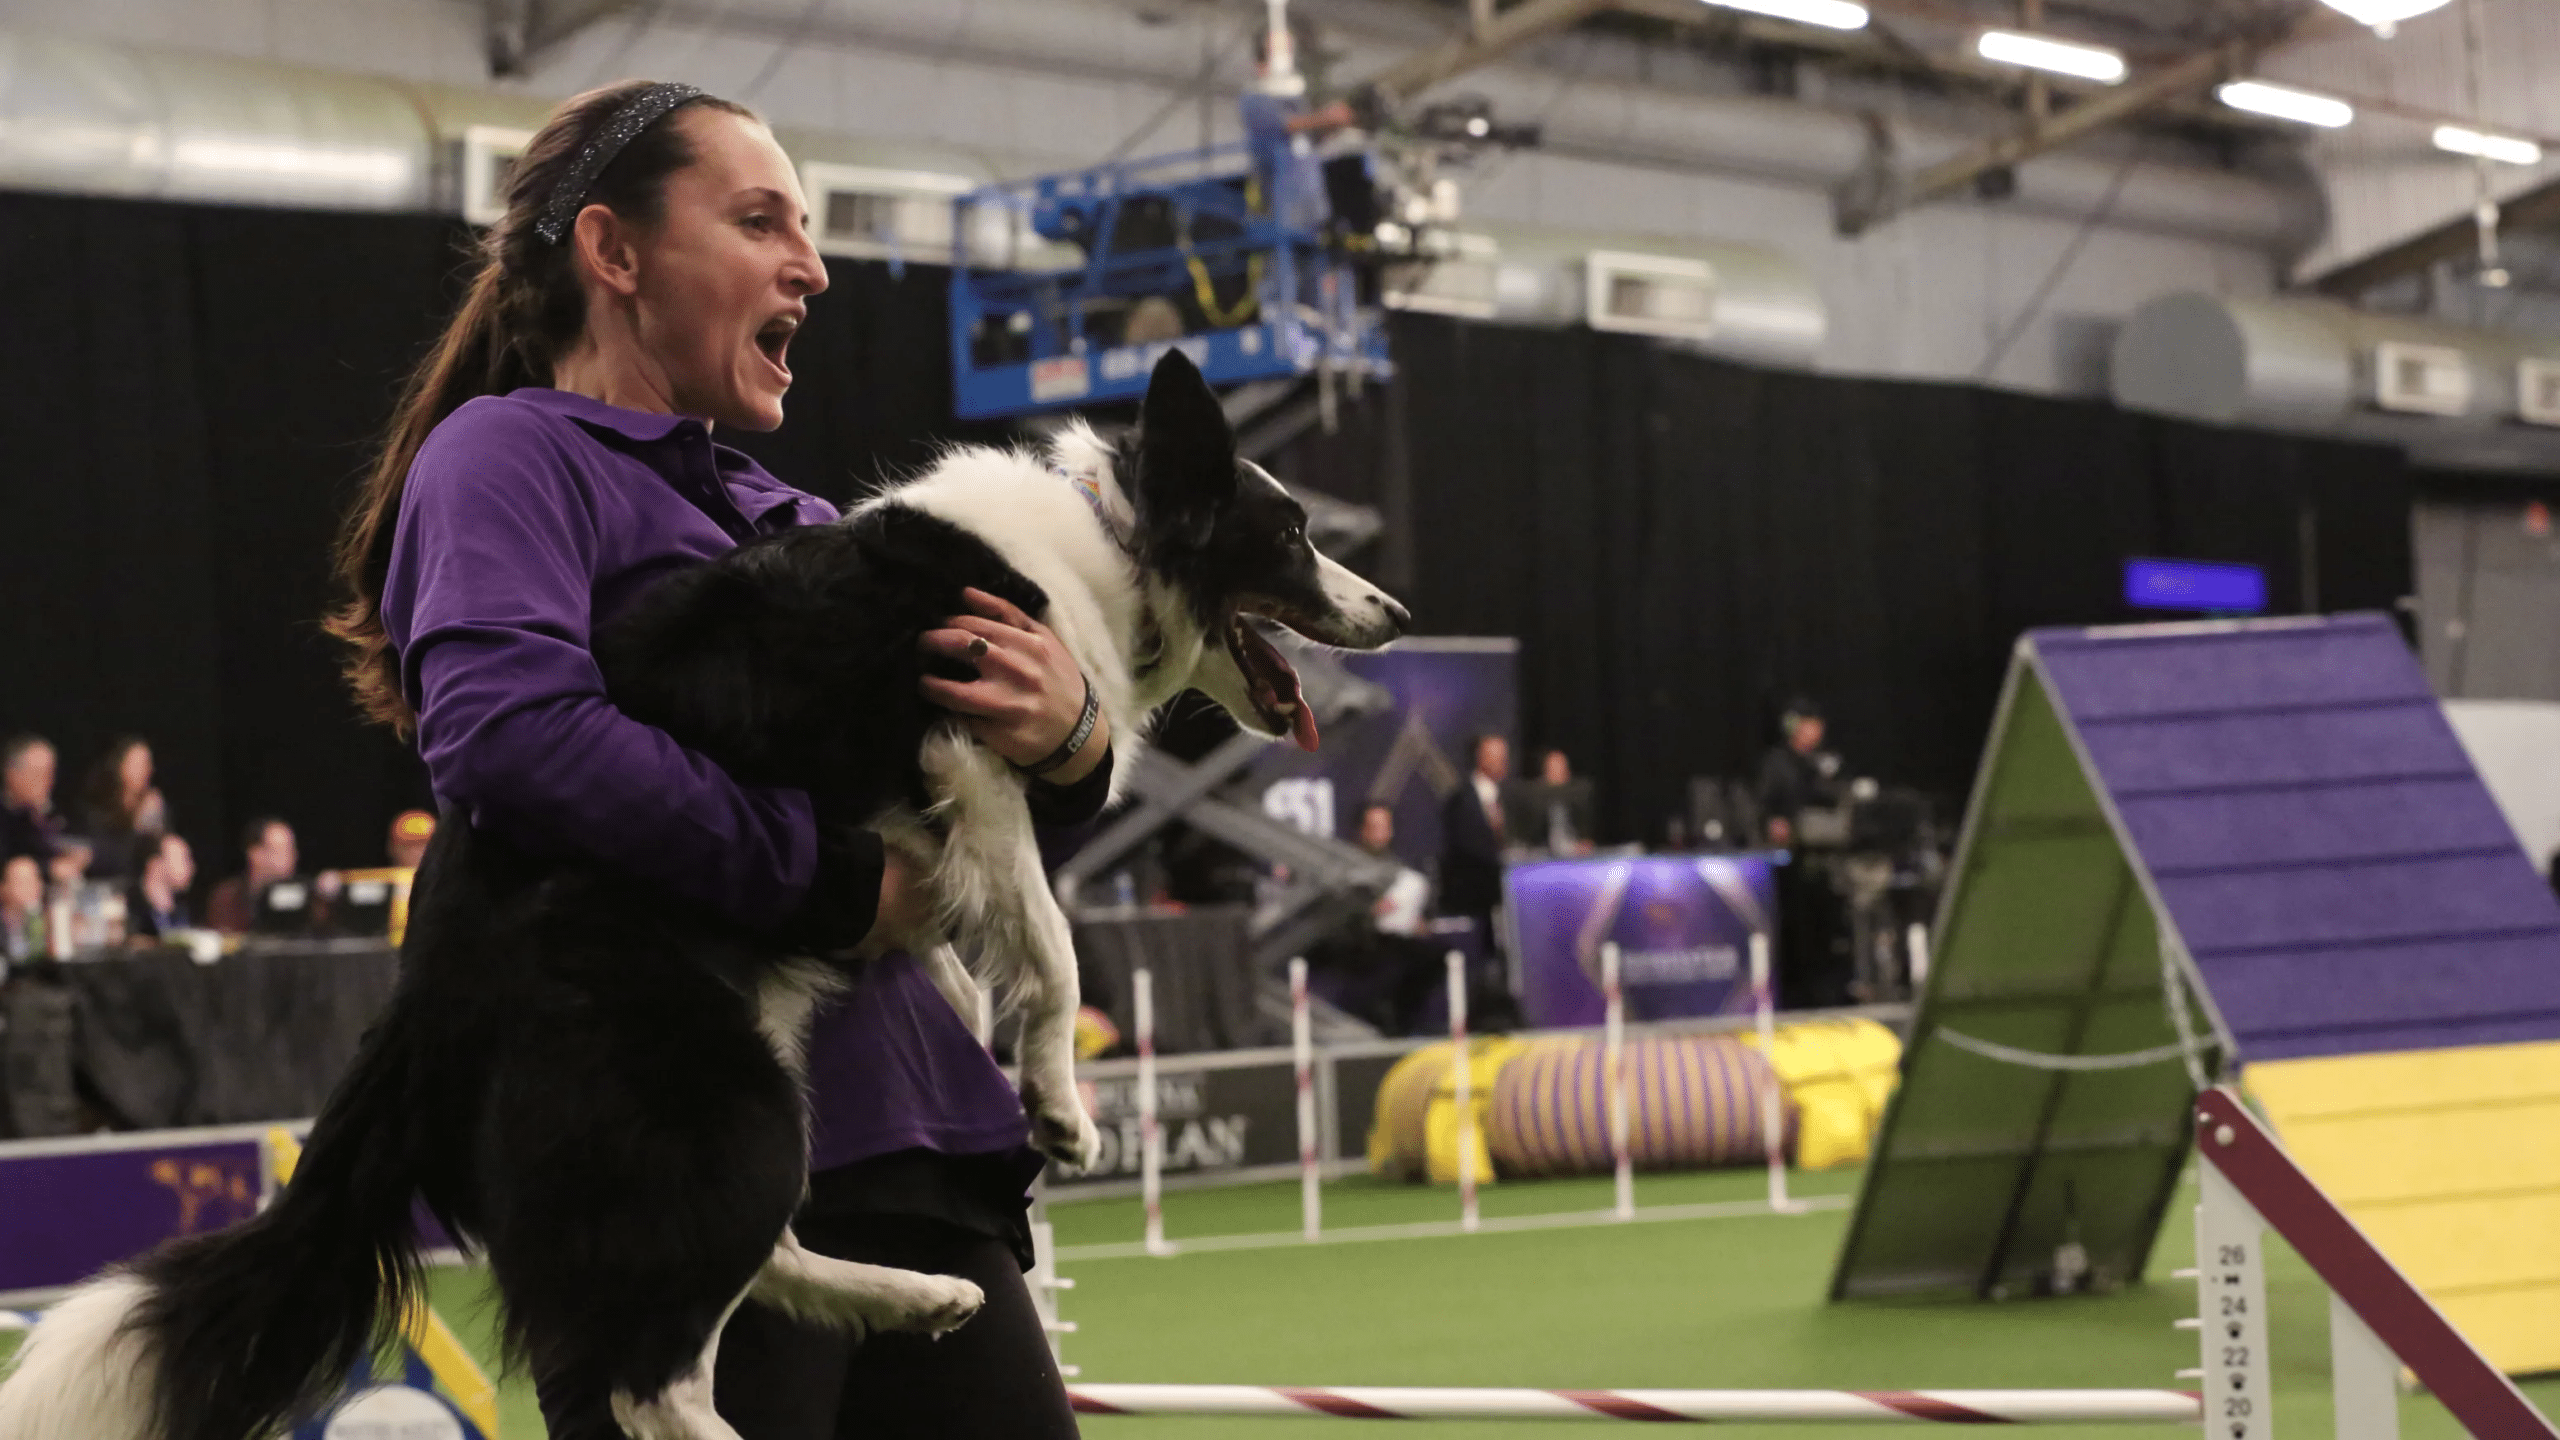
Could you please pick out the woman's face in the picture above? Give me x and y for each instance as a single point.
(135, 769)
(723, 279)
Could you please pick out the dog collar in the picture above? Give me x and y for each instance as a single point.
(1151, 638)
(1090, 487)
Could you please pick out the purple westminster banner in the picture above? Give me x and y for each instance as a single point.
(66, 1212)
(1683, 924)
(1425, 698)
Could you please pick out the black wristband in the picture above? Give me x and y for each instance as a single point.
(1074, 742)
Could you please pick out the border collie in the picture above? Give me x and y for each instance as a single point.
(598, 1085)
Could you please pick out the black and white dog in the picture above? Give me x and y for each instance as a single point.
(598, 1085)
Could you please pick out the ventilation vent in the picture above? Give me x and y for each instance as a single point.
(2538, 391)
(1649, 295)
(882, 214)
(488, 153)
(1462, 283)
(2421, 379)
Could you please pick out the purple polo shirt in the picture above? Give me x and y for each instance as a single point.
(527, 518)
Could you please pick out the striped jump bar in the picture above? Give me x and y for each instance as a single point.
(1367, 1402)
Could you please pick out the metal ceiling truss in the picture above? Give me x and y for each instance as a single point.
(515, 31)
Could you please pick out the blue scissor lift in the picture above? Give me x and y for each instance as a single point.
(1253, 297)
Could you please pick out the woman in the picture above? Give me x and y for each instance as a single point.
(122, 809)
(552, 456)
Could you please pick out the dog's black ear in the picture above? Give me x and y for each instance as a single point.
(1186, 454)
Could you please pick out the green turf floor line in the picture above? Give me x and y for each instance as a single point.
(1708, 1304)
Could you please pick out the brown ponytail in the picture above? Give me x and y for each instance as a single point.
(523, 311)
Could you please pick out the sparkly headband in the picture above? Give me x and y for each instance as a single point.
(637, 114)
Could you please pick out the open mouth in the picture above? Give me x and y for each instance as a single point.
(1271, 682)
(774, 339)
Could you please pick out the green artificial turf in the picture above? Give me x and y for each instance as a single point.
(1727, 1303)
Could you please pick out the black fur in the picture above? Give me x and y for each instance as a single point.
(570, 1073)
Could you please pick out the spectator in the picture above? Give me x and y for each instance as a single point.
(267, 845)
(1472, 836)
(158, 903)
(376, 901)
(29, 825)
(124, 810)
(22, 935)
(1384, 971)
(1399, 911)
(1797, 775)
(1555, 810)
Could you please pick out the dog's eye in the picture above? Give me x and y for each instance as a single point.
(1295, 536)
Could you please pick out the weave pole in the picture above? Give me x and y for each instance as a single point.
(1773, 1119)
(1468, 1218)
(1614, 1059)
(1142, 985)
(1302, 1053)
(1915, 945)
(1952, 1407)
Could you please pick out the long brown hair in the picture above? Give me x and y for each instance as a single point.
(523, 311)
(106, 785)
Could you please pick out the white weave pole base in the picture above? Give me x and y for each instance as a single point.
(1359, 1402)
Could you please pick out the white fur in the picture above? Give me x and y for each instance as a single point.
(682, 1411)
(843, 1295)
(79, 1375)
(786, 1001)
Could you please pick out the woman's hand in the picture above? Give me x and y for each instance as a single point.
(1029, 693)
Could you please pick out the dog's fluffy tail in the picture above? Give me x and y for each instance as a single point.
(233, 1334)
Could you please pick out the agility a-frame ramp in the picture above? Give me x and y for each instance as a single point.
(2197, 847)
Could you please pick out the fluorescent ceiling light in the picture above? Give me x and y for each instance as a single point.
(2301, 106)
(2377, 14)
(2507, 149)
(1829, 14)
(2038, 52)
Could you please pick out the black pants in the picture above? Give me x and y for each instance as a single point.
(994, 1376)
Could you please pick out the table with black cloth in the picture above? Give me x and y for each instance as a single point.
(1203, 976)
(157, 1040)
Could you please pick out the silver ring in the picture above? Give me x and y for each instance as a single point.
(977, 647)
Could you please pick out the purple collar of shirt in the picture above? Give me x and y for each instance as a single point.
(756, 493)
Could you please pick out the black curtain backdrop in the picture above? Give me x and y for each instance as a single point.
(188, 393)
(1682, 544)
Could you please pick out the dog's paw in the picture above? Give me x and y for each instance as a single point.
(937, 1306)
(1063, 1132)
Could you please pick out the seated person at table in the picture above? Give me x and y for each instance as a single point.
(376, 901)
(1553, 812)
(29, 825)
(22, 934)
(270, 895)
(125, 811)
(1383, 971)
(158, 902)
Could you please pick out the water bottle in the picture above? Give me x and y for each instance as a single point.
(1124, 891)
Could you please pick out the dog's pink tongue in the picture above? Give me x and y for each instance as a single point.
(1302, 721)
(1302, 727)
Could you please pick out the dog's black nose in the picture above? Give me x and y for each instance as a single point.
(1400, 616)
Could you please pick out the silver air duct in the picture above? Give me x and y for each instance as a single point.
(2450, 395)
(108, 119)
